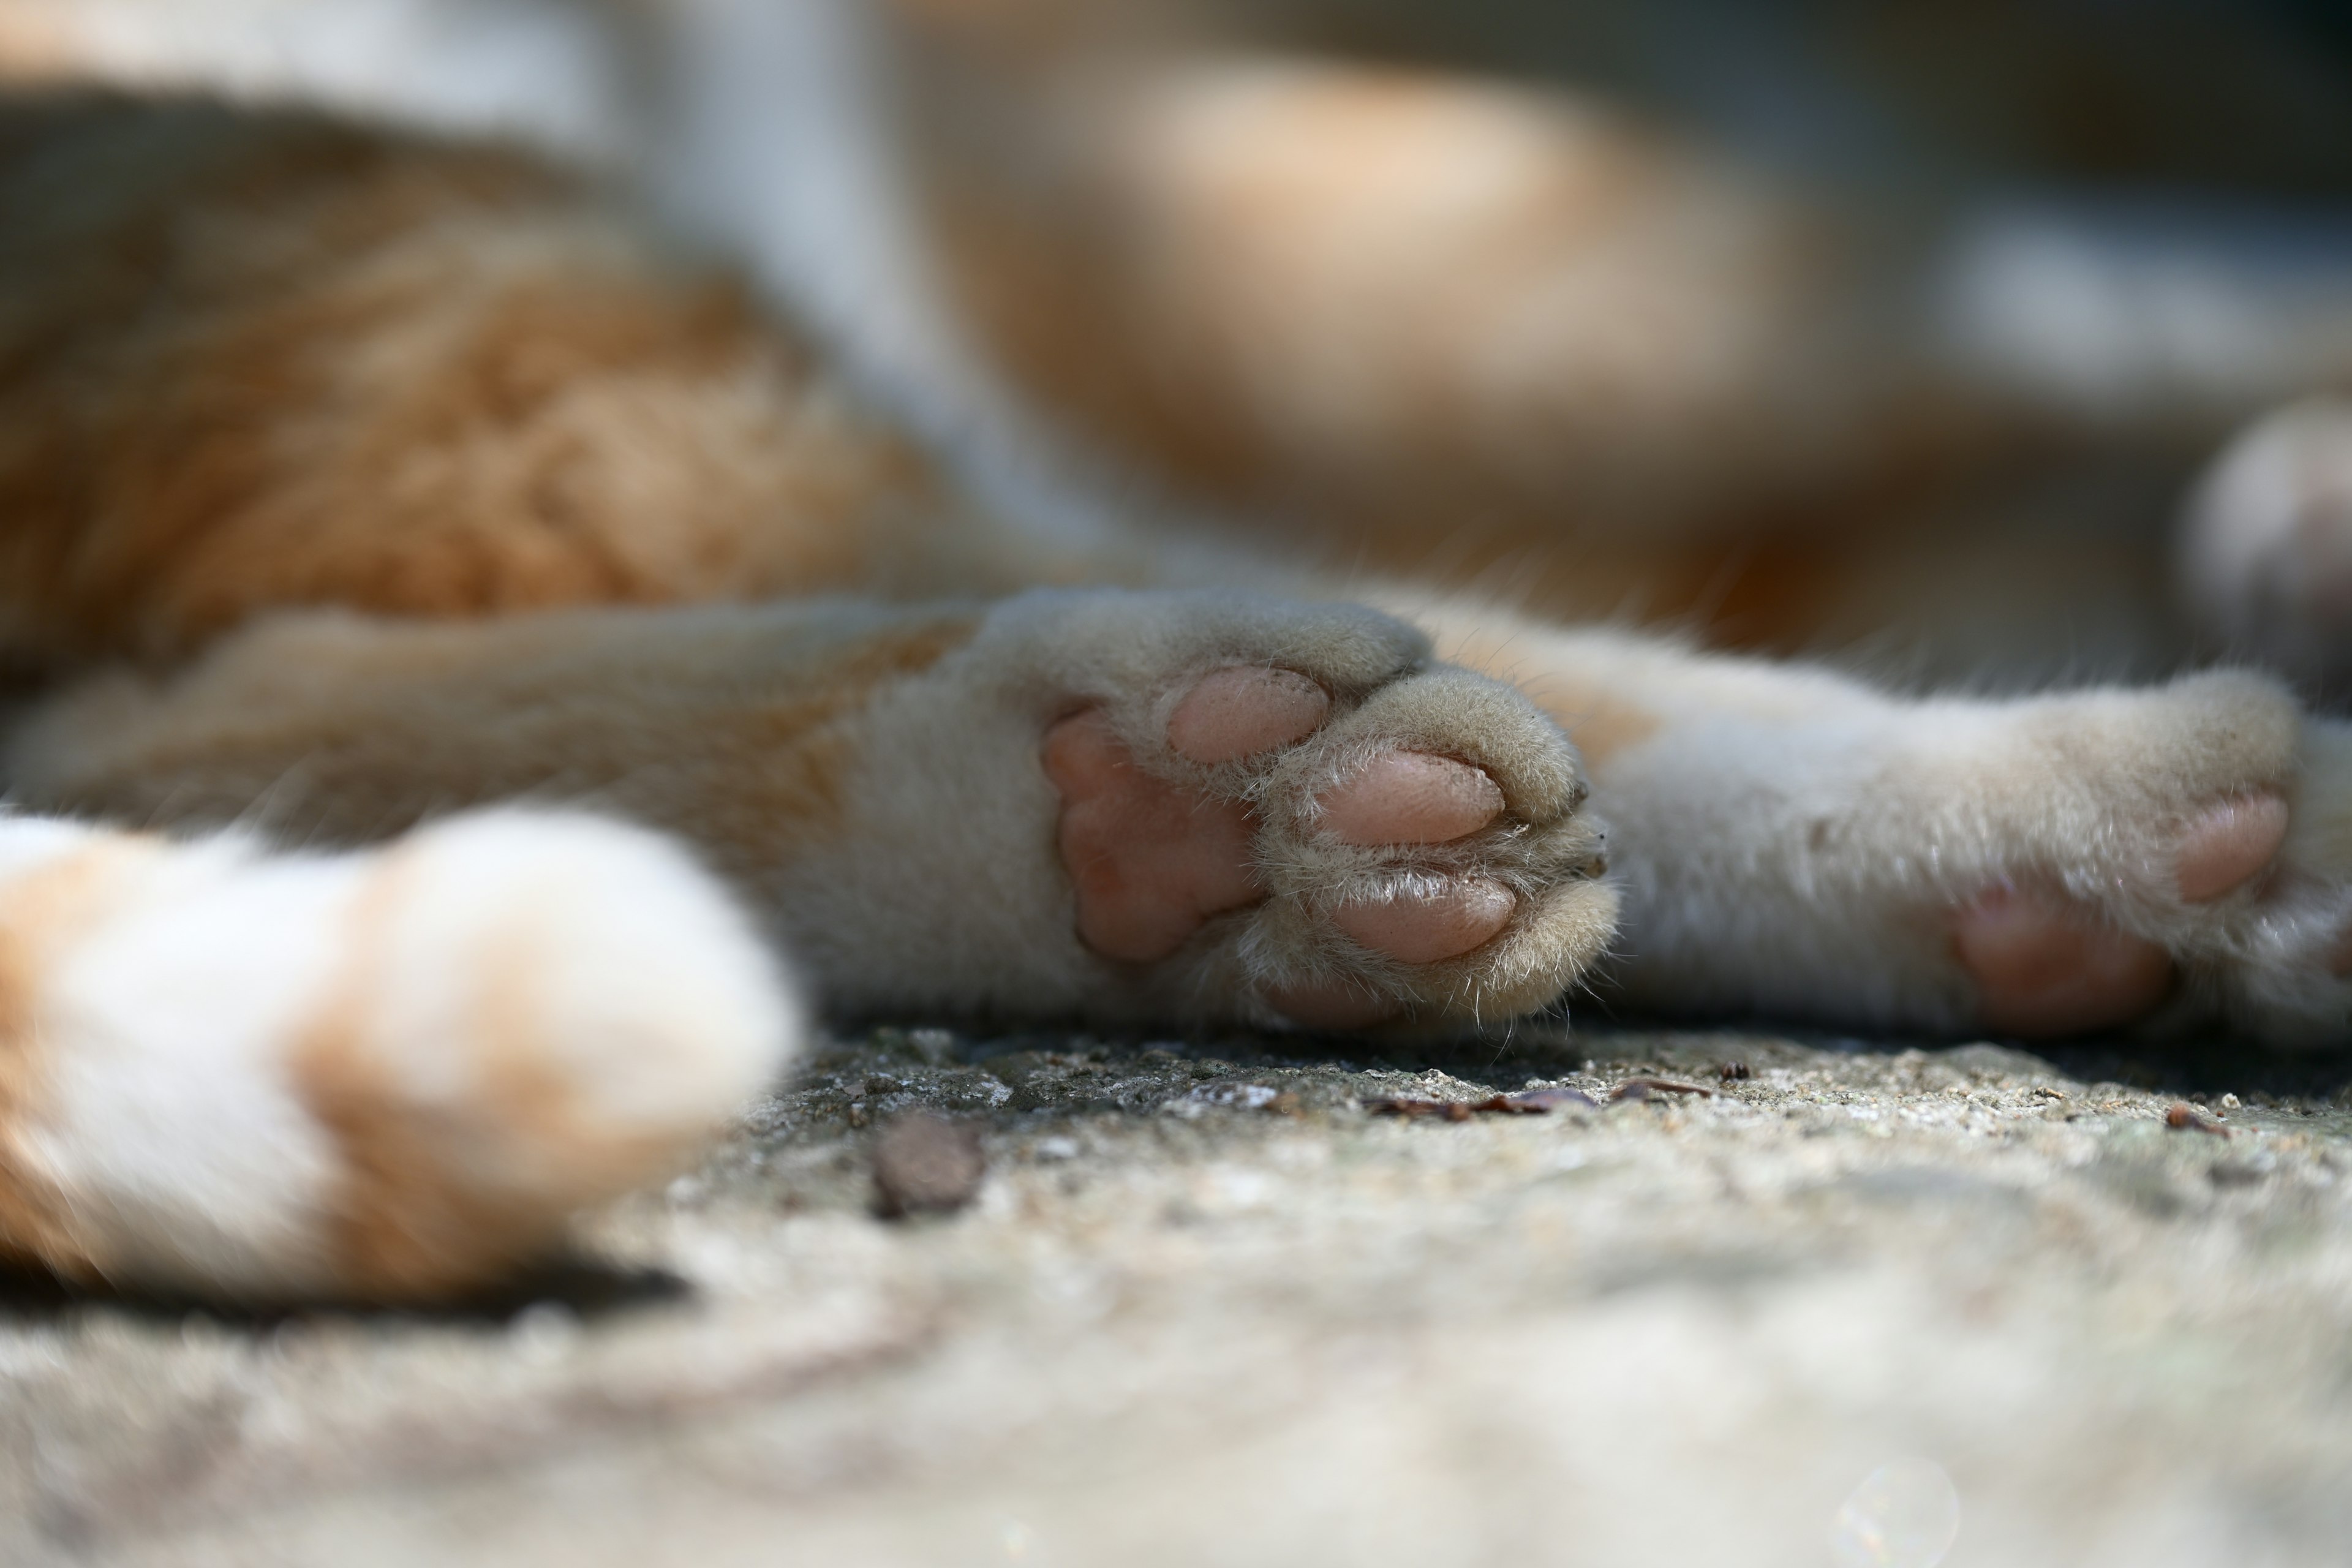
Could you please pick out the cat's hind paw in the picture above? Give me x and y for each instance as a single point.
(1327, 829)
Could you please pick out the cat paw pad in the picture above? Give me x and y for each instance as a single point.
(1332, 850)
(2187, 893)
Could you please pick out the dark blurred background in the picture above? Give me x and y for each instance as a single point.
(2250, 97)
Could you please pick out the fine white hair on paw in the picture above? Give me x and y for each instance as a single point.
(391, 1074)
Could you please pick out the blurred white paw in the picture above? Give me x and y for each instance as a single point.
(2266, 546)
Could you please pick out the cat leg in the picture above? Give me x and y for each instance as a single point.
(1795, 843)
(1374, 294)
(384, 1076)
(1091, 803)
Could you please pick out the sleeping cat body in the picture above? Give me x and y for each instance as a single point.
(403, 499)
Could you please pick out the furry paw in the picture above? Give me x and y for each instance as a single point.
(2195, 861)
(1305, 816)
(2266, 546)
(1418, 852)
(388, 1076)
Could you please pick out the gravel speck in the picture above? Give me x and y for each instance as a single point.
(927, 1164)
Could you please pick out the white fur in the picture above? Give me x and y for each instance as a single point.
(649, 997)
(173, 1134)
(170, 1119)
(1793, 842)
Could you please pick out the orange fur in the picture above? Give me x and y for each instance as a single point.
(405, 1224)
(392, 374)
(801, 734)
(729, 725)
(420, 378)
(35, 46)
(1403, 302)
(41, 912)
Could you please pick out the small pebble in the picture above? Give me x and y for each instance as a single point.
(927, 1164)
(2187, 1118)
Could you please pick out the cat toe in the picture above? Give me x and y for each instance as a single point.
(1410, 797)
(1242, 711)
(1426, 924)
(1426, 845)
(2265, 546)
(2229, 844)
(2045, 966)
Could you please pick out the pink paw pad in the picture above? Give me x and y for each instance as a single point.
(1410, 797)
(1239, 712)
(2045, 967)
(2227, 844)
(1152, 858)
(1445, 922)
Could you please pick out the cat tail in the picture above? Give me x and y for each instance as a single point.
(384, 1076)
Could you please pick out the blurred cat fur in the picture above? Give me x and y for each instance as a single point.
(484, 663)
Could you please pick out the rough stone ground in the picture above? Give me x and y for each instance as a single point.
(1208, 1310)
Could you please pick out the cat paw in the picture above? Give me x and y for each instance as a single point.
(384, 1076)
(1308, 817)
(2265, 554)
(2207, 875)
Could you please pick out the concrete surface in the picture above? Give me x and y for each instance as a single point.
(1206, 1309)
